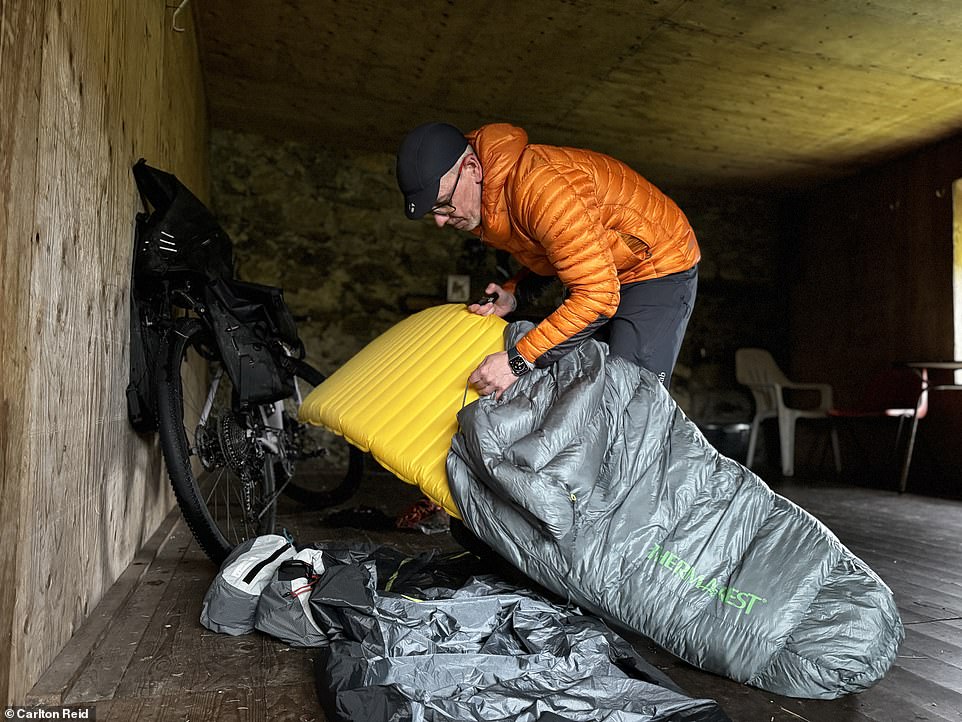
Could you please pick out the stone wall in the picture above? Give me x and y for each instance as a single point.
(738, 302)
(327, 225)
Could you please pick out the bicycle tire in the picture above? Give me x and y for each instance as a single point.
(184, 450)
(327, 484)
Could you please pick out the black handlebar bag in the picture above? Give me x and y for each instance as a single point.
(180, 236)
(180, 245)
(176, 240)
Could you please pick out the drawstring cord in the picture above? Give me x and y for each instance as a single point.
(464, 401)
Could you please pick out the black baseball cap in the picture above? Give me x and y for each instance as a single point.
(427, 153)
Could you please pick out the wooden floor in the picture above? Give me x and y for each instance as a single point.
(143, 655)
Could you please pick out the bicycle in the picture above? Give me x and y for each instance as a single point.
(217, 369)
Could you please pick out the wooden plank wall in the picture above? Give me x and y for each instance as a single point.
(870, 278)
(86, 88)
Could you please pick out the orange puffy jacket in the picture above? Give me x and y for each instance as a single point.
(583, 216)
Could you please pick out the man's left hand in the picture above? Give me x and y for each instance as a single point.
(494, 374)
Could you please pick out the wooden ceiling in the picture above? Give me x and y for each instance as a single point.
(739, 93)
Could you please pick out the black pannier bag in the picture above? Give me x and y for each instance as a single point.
(278, 315)
(245, 328)
(144, 347)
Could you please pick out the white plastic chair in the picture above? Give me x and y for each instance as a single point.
(756, 369)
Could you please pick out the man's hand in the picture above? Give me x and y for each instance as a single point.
(505, 304)
(494, 374)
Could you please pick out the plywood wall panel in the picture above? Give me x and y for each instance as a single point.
(110, 80)
(20, 42)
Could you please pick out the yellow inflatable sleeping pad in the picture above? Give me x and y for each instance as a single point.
(398, 398)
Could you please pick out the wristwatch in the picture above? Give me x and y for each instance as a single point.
(519, 367)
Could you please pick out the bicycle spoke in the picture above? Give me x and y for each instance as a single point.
(218, 469)
(230, 464)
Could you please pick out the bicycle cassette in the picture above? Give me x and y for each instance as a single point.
(236, 444)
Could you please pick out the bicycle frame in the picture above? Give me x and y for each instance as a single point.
(273, 420)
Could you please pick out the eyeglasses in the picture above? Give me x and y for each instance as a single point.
(446, 207)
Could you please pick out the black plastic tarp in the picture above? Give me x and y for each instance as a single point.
(405, 638)
(484, 651)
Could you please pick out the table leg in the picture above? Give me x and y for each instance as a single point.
(903, 479)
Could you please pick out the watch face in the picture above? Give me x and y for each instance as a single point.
(518, 366)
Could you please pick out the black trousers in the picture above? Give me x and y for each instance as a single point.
(650, 323)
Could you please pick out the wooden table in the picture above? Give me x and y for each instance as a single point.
(922, 368)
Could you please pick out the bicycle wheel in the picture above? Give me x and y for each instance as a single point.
(324, 469)
(221, 461)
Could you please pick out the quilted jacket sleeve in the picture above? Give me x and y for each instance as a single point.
(556, 206)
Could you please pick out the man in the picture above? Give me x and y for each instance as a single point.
(624, 251)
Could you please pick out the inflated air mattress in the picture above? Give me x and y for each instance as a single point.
(398, 398)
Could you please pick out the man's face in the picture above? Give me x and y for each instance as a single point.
(459, 196)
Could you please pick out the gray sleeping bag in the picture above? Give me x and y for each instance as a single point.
(590, 479)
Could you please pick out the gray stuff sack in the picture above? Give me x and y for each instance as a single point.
(230, 605)
(284, 610)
